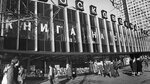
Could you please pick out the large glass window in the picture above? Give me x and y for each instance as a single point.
(110, 36)
(44, 43)
(84, 35)
(103, 35)
(94, 34)
(74, 45)
(59, 30)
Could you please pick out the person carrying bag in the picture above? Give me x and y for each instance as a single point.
(4, 80)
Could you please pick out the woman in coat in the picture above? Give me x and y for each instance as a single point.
(12, 74)
(4, 80)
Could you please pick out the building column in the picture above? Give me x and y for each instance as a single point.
(140, 41)
(36, 30)
(66, 29)
(114, 44)
(52, 29)
(89, 33)
(105, 27)
(79, 31)
(2, 18)
(128, 39)
(99, 34)
(120, 49)
(130, 31)
(135, 45)
(123, 39)
(137, 41)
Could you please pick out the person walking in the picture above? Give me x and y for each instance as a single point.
(134, 65)
(4, 80)
(107, 69)
(131, 64)
(115, 65)
(69, 71)
(139, 66)
(51, 75)
(12, 73)
(74, 73)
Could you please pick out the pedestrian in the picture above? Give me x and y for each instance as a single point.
(107, 69)
(21, 75)
(69, 71)
(12, 73)
(116, 67)
(112, 70)
(51, 74)
(139, 66)
(4, 80)
(131, 64)
(55, 75)
(91, 67)
(134, 65)
(100, 68)
(74, 74)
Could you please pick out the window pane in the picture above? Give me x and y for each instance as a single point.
(47, 10)
(61, 14)
(40, 9)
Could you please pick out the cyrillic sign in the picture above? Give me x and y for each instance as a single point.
(80, 5)
(104, 14)
(120, 21)
(131, 25)
(93, 10)
(63, 2)
(113, 18)
(126, 24)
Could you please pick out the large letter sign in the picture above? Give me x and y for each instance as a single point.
(120, 21)
(73, 31)
(44, 27)
(27, 25)
(58, 29)
(9, 25)
(104, 14)
(42, 0)
(113, 18)
(126, 24)
(93, 10)
(131, 25)
(62, 2)
(79, 5)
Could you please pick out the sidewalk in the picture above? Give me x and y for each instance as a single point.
(124, 78)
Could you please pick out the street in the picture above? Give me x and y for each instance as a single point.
(124, 78)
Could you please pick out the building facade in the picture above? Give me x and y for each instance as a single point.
(43, 32)
(138, 12)
(40, 26)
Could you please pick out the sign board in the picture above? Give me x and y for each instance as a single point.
(79, 5)
(120, 21)
(93, 10)
(63, 2)
(113, 18)
(126, 24)
(104, 14)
